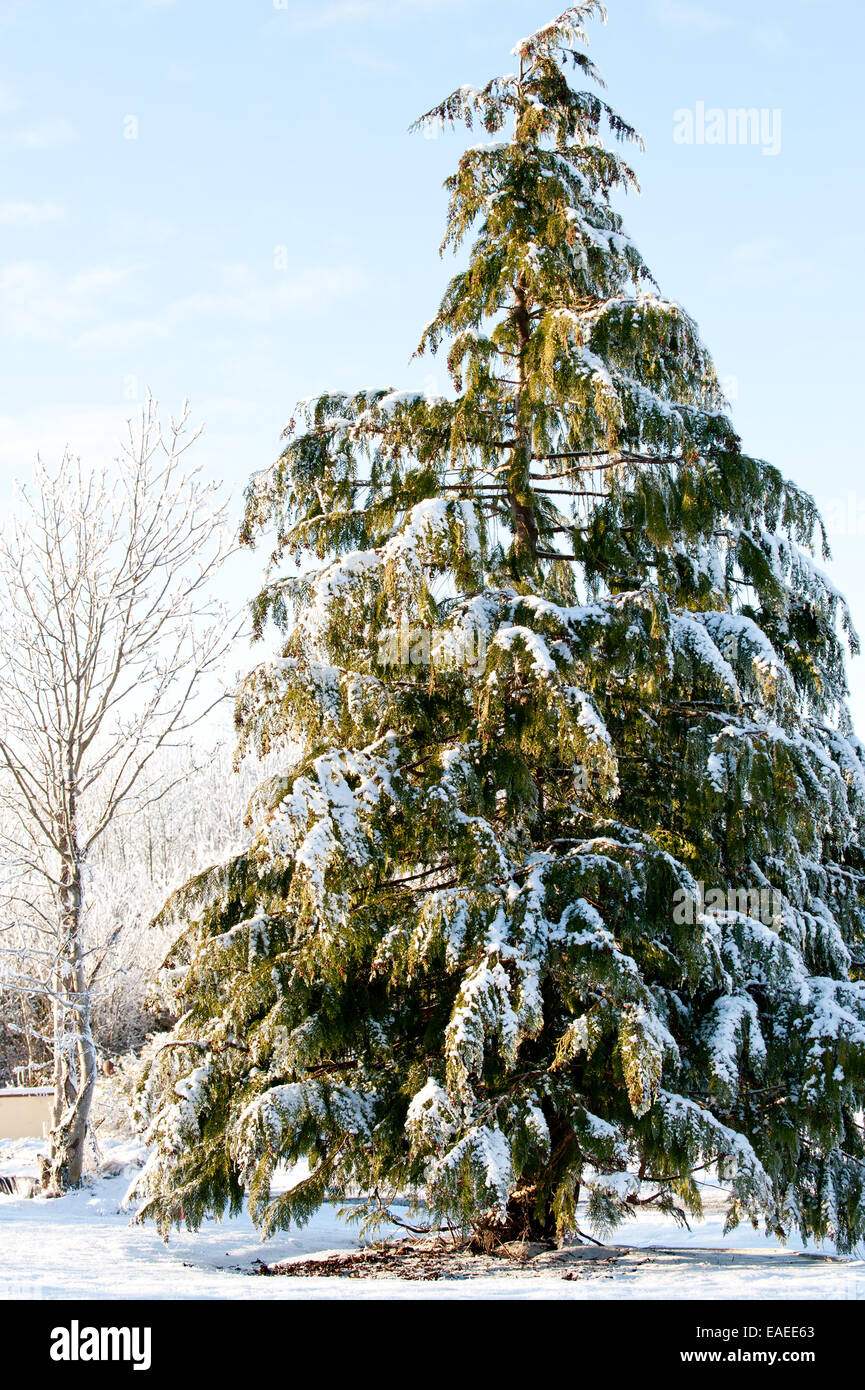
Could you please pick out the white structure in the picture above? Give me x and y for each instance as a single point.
(25, 1112)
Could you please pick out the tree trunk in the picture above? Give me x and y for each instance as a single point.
(529, 1215)
(520, 499)
(74, 1049)
(522, 1222)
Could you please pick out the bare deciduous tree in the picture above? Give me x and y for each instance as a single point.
(109, 637)
(128, 876)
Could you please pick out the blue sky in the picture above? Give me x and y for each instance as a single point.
(219, 199)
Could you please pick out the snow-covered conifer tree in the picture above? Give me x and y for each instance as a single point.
(559, 892)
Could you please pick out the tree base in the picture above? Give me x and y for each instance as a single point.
(526, 1220)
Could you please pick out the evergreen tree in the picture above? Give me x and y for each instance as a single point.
(558, 892)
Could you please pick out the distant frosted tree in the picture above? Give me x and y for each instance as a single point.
(131, 869)
(108, 629)
(559, 892)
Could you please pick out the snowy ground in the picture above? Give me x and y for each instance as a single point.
(84, 1246)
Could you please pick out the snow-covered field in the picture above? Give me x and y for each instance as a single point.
(84, 1246)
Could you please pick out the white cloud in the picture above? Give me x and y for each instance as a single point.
(139, 228)
(45, 135)
(36, 302)
(94, 432)
(48, 430)
(772, 40)
(14, 214)
(96, 281)
(244, 295)
(124, 334)
(32, 305)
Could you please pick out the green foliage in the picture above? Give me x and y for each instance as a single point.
(558, 889)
